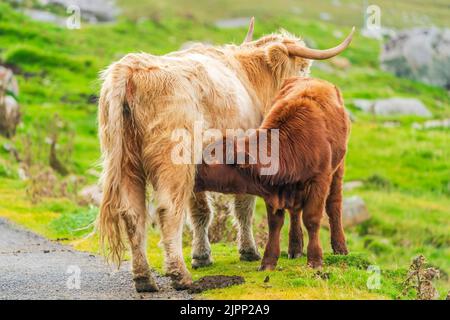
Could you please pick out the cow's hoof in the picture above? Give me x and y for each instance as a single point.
(145, 284)
(200, 263)
(182, 284)
(267, 267)
(250, 255)
(295, 255)
(315, 264)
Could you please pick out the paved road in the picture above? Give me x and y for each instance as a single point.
(32, 267)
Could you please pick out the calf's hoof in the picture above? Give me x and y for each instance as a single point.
(295, 255)
(340, 249)
(249, 255)
(145, 284)
(315, 264)
(267, 267)
(201, 262)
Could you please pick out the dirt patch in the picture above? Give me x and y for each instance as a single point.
(215, 282)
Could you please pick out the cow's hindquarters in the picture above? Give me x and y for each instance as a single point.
(123, 179)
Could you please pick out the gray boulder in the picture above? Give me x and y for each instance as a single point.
(351, 185)
(91, 195)
(233, 23)
(421, 54)
(354, 212)
(91, 11)
(433, 124)
(9, 108)
(393, 106)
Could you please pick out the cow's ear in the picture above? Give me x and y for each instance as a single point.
(277, 57)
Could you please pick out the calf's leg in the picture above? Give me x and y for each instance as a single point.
(295, 235)
(334, 212)
(244, 206)
(312, 215)
(275, 219)
(201, 216)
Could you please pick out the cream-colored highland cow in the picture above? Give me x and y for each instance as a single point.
(144, 98)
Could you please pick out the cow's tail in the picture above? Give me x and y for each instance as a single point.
(115, 119)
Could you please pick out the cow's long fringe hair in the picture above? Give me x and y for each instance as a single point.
(116, 128)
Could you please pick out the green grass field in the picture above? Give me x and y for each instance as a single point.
(407, 172)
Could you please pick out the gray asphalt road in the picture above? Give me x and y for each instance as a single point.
(32, 267)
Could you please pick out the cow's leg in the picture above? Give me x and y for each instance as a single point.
(275, 221)
(312, 215)
(201, 216)
(170, 219)
(135, 223)
(244, 206)
(295, 235)
(173, 183)
(334, 212)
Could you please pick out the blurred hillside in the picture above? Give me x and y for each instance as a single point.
(400, 13)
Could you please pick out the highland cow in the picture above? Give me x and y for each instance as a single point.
(313, 127)
(143, 99)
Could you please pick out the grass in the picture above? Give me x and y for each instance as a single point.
(400, 13)
(406, 172)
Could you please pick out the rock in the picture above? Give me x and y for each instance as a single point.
(336, 3)
(341, 63)
(91, 195)
(393, 106)
(401, 106)
(351, 115)
(432, 124)
(421, 54)
(233, 23)
(363, 104)
(378, 33)
(325, 16)
(21, 172)
(91, 11)
(45, 16)
(8, 82)
(351, 185)
(338, 34)
(325, 67)
(9, 108)
(354, 212)
(391, 124)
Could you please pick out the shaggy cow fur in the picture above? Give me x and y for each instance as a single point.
(143, 100)
(313, 132)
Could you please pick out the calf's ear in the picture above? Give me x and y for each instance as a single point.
(277, 57)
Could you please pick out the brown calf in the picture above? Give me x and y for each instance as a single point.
(313, 132)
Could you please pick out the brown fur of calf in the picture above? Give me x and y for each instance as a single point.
(313, 134)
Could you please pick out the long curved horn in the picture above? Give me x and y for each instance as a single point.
(315, 54)
(251, 28)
